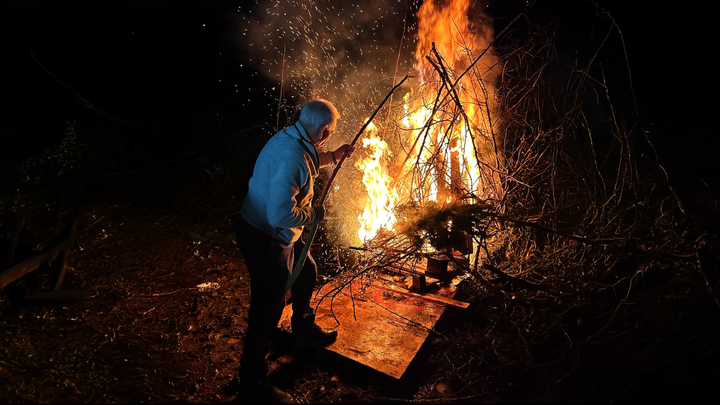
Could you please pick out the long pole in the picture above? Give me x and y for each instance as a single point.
(321, 199)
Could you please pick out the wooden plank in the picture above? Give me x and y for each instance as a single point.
(438, 299)
(377, 327)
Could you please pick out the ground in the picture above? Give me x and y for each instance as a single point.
(142, 329)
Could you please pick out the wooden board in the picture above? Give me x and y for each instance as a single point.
(378, 327)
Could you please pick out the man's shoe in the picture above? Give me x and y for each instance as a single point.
(261, 392)
(308, 333)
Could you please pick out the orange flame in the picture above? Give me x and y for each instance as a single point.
(450, 148)
(378, 211)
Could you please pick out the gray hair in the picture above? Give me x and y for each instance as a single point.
(317, 113)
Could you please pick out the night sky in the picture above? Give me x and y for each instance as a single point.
(171, 59)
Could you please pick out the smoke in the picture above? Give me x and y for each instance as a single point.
(348, 53)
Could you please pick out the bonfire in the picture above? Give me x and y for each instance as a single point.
(433, 164)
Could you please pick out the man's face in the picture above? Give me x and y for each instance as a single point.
(325, 134)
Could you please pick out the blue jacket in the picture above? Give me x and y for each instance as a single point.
(280, 191)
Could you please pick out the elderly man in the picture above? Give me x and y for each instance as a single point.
(277, 207)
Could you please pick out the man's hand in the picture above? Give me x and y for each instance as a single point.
(345, 150)
(319, 213)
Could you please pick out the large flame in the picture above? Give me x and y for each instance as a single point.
(378, 212)
(449, 146)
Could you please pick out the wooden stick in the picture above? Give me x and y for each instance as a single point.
(61, 273)
(311, 235)
(517, 281)
(434, 298)
(325, 190)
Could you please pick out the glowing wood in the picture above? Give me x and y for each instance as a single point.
(380, 328)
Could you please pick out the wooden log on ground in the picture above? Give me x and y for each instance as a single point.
(29, 265)
(61, 295)
(434, 298)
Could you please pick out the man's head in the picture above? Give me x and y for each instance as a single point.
(319, 117)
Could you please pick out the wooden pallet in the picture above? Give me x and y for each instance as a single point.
(384, 325)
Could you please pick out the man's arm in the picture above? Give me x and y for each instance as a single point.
(334, 157)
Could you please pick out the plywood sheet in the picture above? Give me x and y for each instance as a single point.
(377, 327)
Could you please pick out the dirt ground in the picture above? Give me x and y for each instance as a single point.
(132, 323)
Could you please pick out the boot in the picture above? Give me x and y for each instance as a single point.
(307, 333)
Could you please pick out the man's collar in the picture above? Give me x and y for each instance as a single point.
(303, 133)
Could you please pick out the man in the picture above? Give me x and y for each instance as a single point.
(277, 207)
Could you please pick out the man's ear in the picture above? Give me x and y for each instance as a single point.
(321, 132)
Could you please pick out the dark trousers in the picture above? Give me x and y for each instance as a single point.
(270, 263)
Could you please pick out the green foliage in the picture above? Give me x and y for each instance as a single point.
(444, 226)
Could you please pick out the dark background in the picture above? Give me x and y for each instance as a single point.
(667, 48)
(169, 61)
